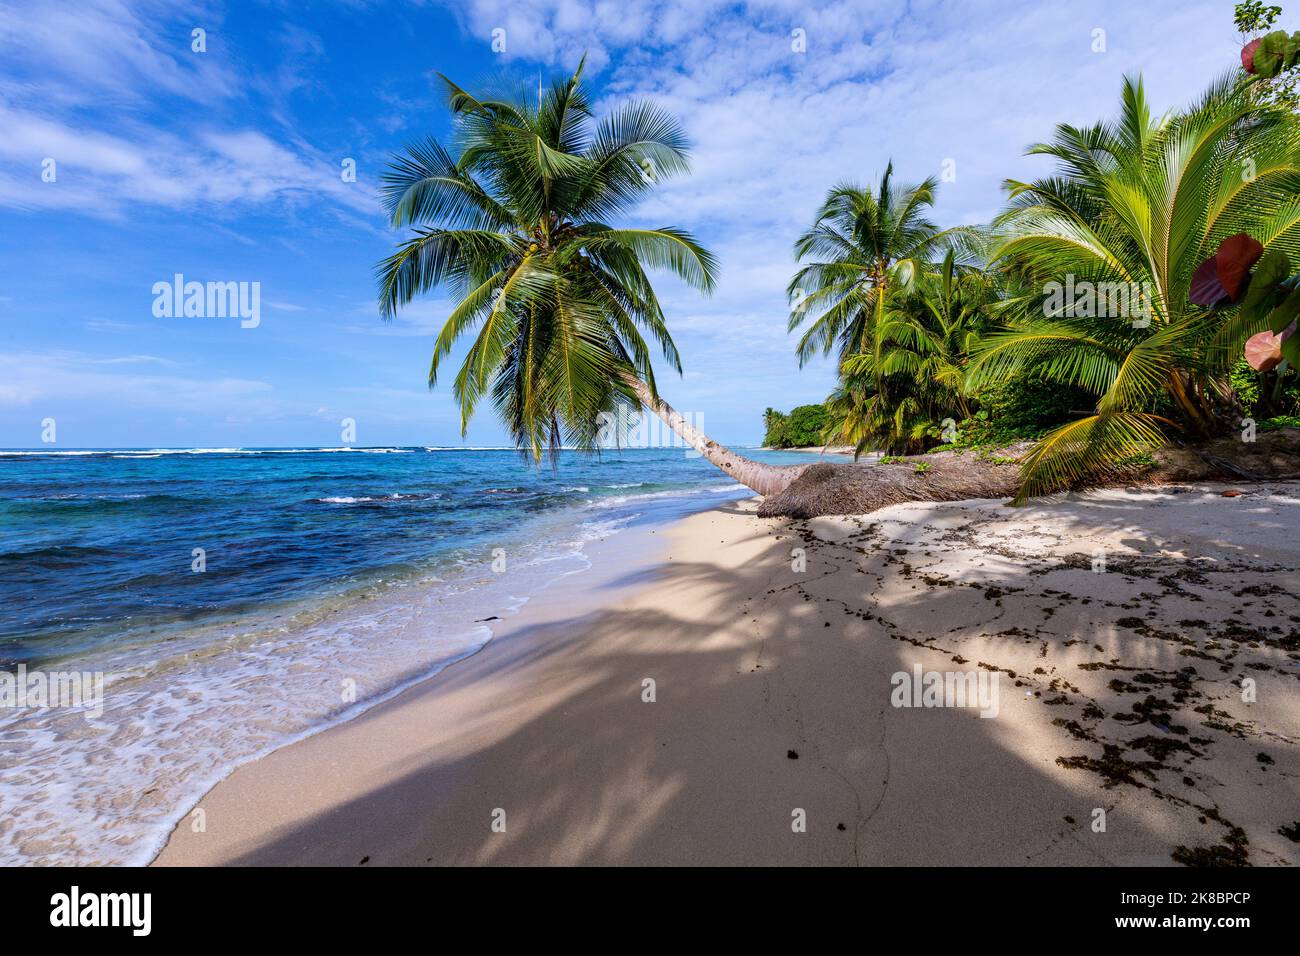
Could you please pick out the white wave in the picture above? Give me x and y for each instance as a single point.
(358, 499)
(468, 448)
(674, 493)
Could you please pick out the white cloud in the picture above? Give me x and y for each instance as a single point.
(84, 52)
(69, 377)
(63, 64)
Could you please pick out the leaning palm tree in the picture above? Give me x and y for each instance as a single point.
(556, 301)
(1137, 206)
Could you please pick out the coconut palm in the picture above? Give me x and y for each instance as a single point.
(862, 245)
(847, 414)
(556, 302)
(917, 357)
(1136, 207)
(864, 250)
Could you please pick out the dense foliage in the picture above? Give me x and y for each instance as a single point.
(802, 428)
(1105, 312)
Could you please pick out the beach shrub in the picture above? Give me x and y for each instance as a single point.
(802, 428)
(1018, 410)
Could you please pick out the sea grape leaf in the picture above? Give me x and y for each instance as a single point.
(1273, 267)
(1237, 253)
(1271, 54)
(1285, 313)
(1263, 351)
(1248, 56)
(1206, 288)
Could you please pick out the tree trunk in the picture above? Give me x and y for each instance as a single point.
(763, 479)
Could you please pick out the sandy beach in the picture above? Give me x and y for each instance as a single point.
(1120, 626)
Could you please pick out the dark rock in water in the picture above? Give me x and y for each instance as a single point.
(792, 754)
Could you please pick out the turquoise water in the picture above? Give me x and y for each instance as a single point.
(328, 580)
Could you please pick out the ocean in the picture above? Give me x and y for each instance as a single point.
(235, 600)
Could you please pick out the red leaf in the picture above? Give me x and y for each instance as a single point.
(1233, 262)
(1248, 55)
(1206, 287)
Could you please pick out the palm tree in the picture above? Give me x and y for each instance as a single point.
(1137, 206)
(918, 353)
(866, 249)
(515, 227)
(847, 414)
(862, 245)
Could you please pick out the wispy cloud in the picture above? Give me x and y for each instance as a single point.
(64, 62)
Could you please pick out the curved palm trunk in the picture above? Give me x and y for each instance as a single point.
(764, 479)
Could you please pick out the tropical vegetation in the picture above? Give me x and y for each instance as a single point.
(1111, 308)
(801, 428)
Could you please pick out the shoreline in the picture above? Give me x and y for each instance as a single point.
(840, 450)
(772, 696)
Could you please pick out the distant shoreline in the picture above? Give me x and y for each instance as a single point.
(816, 449)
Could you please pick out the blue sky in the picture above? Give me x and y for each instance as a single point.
(224, 165)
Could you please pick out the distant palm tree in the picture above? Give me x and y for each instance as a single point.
(515, 226)
(862, 246)
(1140, 204)
(863, 252)
(918, 354)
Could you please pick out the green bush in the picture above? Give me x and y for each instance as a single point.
(1268, 395)
(801, 428)
(1279, 421)
(1019, 410)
